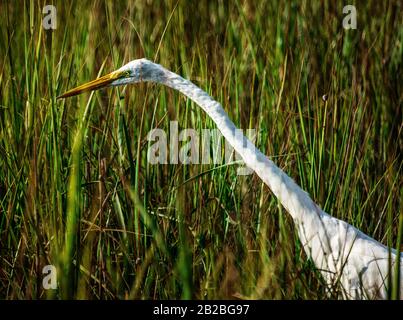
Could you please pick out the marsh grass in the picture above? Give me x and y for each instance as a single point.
(76, 190)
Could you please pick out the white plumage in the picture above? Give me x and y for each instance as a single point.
(345, 256)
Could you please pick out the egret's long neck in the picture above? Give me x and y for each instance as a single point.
(292, 197)
(327, 240)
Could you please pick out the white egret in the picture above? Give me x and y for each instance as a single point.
(344, 255)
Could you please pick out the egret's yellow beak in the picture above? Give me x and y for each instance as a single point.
(95, 84)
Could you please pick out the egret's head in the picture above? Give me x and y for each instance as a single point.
(135, 71)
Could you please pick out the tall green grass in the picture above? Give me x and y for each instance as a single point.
(76, 190)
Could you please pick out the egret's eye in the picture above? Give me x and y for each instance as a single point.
(127, 74)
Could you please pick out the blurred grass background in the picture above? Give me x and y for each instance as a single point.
(76, 190)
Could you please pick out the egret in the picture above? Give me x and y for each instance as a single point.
(346, 257)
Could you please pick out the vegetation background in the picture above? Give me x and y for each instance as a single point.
(77, 192)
